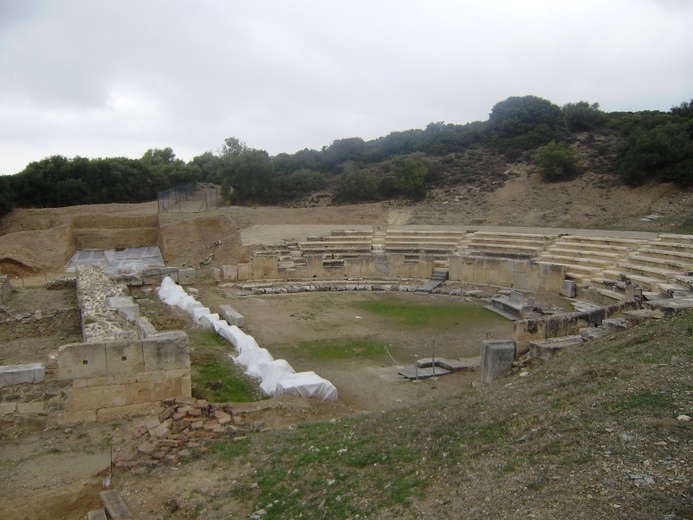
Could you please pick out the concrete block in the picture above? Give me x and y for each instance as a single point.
(231, 316)
(186, 276)
(18, 374)
(166, 351)
(497, 358)
(82, 360)
(96, 397)
(120, 413)
(124, 357)
(125, 306)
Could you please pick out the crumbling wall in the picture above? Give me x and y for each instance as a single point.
(40, 323)
(559, 325)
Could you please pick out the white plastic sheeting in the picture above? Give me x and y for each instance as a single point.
(276, 375)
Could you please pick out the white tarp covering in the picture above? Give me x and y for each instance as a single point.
(128, 261)
(276, 375)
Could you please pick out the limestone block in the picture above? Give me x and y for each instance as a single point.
(148, 391)
(124, 357)
(186, 386)
(156, 275)
(166, 351)
(82, 360)
(120, 413)
(125, 306)
(96, 397)
(186, 276)
(99, 381)
(157, 375)
(265, 267)
(231, 316)
(229, 272)
(497, 358)
(18, 374)
(245, 271)
(7, 408)
(568, 289)
(144, 327)
(34, 407)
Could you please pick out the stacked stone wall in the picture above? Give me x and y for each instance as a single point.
(124, 367)
(40, 323)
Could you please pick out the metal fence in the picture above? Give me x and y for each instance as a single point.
(193, 197)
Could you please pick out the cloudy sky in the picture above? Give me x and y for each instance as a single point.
(116, 77)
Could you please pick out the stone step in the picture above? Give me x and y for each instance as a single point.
(599, 247)
(681, 256)
(581, 253)
(630, 267)
(528, 236)
(431, 250)
(670, 237)
(614, 295)
(508, 240)
(645, 282)
(682, 247)
(573, 260)
(668, 263)
(503, 247)
(605, 241)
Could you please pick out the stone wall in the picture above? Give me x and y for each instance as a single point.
(40, 323)
(559, 325)
(5, 288)
(124, 367)
(525, 275)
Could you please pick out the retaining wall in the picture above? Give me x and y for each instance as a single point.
(519, 274)
(559, 325)
(40, 323)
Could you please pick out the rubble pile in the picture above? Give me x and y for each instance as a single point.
(181, 430)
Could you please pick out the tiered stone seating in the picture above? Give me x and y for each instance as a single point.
(520, 245)
(586, 257)
(438, 243)
(340, 244)
(656, 265)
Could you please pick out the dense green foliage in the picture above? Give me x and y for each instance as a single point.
(557, 162)
(654, 147)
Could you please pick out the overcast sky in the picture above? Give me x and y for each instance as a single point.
(116, 77)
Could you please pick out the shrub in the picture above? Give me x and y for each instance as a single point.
(558, 162)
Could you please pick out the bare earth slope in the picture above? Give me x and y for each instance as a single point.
(42, 240)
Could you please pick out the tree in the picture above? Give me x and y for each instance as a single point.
(557, 162)
(409, 176)
(300, 183)
(249, 178)
(6, 195)
(356, 184)
(526, 122)
(583, 117)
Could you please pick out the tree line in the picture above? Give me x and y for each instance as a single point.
(652, 146)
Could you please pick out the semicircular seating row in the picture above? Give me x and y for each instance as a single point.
(661, 266)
